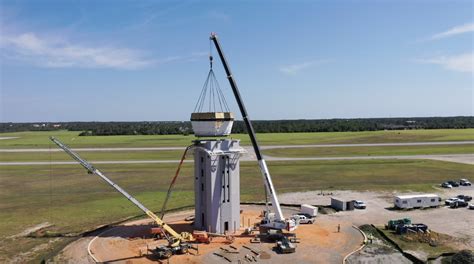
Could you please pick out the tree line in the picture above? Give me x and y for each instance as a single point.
(260, 126)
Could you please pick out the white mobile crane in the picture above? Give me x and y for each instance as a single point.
(272, 220)
(178, 242)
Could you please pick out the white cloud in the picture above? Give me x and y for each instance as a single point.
(188, 58)
(293, 69)
(466, 28)
(461, 63)
(48, 52)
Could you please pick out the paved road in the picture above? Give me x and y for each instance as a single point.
(54, 149)
(372, 144)
(5, 138)
(459, 158)
(249, 155)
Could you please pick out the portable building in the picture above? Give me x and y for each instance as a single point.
(309, 209)
(342, 204)
(416, 201)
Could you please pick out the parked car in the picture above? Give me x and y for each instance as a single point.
(359, 204)
(466, 198)
(446, 185)
(450, 201)
(471, 206)
(303, 218)
(453, 183)
(458, 203)
(464, 182)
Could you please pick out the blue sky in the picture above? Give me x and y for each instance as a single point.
(147, 60)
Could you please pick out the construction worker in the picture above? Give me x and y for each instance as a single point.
(338, 228)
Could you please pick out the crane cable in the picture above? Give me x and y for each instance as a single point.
(173, 181)
(211, 91)
(50, 184)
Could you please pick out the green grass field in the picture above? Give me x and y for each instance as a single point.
(40, 139)
(74, 201)
(287, 152)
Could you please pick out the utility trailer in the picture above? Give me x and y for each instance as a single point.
(342, 204)
(416, 201)
(309, 209)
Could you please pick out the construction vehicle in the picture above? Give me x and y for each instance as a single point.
(178, 243)
(157, 232)
(272, 220)
(202, 237)
(284, 246)
(393, 223)
(207, 237)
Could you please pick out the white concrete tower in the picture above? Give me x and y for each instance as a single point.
(217, 185)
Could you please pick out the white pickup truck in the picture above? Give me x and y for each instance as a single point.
(303, 218)
(359, 204)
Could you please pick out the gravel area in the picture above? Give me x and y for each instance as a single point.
(454, 222)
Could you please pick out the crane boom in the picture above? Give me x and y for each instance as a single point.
(93, 170)
(248, 124)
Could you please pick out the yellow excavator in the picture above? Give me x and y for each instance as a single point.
(178, 243)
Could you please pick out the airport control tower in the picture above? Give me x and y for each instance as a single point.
(217, 185)
(216, 162)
